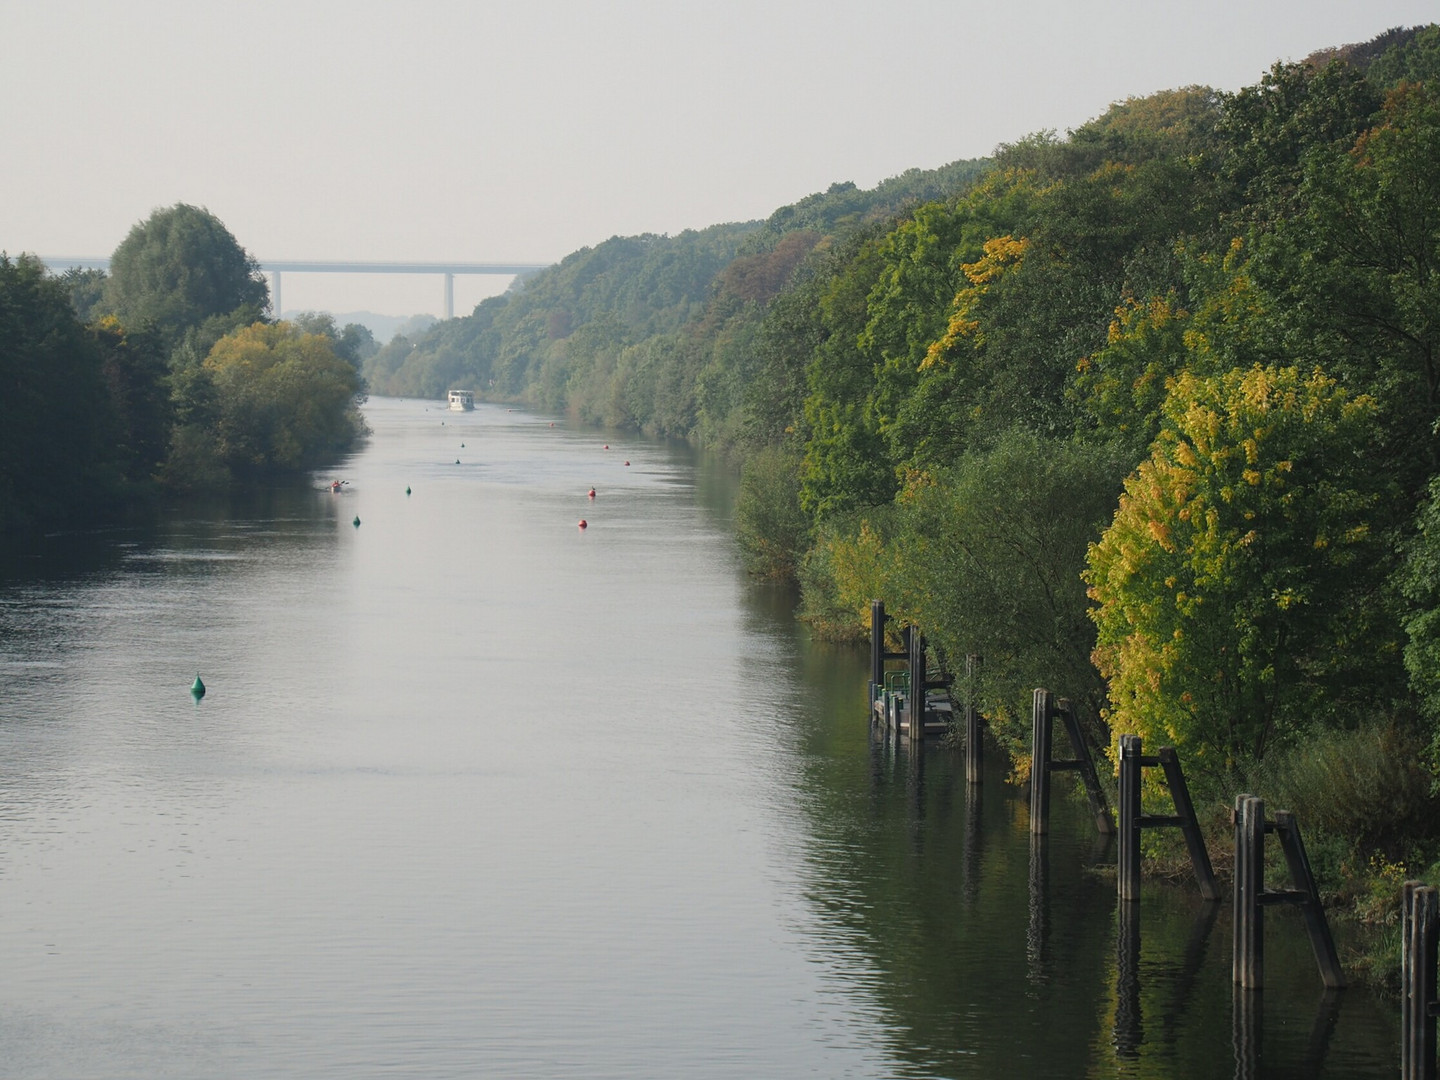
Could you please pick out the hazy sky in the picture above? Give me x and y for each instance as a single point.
(480, 130)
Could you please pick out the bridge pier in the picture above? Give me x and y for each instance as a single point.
(276, 307)
(449, 295)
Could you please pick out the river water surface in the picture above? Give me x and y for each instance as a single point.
(474, 792)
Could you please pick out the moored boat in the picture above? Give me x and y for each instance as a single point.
(462, 400)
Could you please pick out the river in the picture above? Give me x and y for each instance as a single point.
(476, 792)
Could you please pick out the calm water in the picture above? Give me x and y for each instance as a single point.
(476, 793)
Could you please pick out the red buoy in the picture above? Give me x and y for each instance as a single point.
(583, 523)
(605, 447)
(627, 463)
(592, 494)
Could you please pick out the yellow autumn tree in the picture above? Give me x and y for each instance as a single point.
(1232, 586)
(284, 400)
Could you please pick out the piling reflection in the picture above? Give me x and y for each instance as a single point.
(1129, 1030)
(1037, 932)
(990, 952)
(1247, 1031)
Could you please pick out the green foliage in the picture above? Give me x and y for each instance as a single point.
(1411, 55)
(1366, 787)
(1237, 585)
(49, 369)
(986, 555)
(136, 376)
(1354, 274)
(179, 268)
(772, 529)
(283, 399)
(87, 292)
(1270, 129)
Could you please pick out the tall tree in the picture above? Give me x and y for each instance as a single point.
(1237, 583)
(178, 268)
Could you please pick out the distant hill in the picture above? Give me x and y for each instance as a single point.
(384, 327)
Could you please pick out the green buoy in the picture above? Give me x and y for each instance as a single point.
(356, 522)
(197, 688)
(407, 489)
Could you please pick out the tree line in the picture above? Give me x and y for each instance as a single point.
(1146, 413)
(163, 373)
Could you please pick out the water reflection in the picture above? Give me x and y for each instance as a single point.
(467, 784)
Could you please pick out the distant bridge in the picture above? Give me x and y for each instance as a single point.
(276, 267)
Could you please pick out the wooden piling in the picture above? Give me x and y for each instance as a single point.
(877, 646)
(1248, 966)
(1040, 764)
(974, 745)
(1251, 896)
(1132, 819)
(1418, 982)
(1128, 861)
(1308, 900)
(917, 686)
(1189, 823)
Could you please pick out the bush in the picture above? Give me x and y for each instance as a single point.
(772, 529)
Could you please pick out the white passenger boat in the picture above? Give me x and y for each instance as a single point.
(462, 400)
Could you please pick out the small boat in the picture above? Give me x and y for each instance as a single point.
(462, 400)
(335, 486)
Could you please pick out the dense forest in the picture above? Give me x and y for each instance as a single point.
(1145, 413)
(164, 373)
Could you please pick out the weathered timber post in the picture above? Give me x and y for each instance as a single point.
(1248, 965)
(974, 746)
(1189, 823)
(917, 686)
(1040, 764)
(1251, 896)
(1127, 867)
(1308, 900)
(877, 647)
(1132, 820)
(1084, 764)
(1417, 982)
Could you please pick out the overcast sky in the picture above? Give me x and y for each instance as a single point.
(479, 130)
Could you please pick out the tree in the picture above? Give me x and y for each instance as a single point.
(284, 400)
(987, 557)
(137, 379)
(54, 416)
(1356, 275)
(178, 268)
(1236, 587)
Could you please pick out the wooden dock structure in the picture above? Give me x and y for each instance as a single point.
(906, 700)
